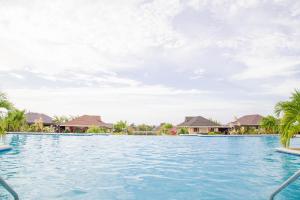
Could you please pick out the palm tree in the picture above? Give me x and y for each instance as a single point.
(270, 124)
(15, 120)
(4, 103)
(290, 122)
(59, 120)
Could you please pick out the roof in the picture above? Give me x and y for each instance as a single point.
(248, 120)
(31, 118)
(87, 121)
(198, 121)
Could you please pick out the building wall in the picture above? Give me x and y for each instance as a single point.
(195, 130)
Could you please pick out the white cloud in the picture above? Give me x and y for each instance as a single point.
(89, 56)
(53, 35)
(198, 73)
(141, 104)
(283, 87)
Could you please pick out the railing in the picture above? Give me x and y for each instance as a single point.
(285, 184)
(9, 189)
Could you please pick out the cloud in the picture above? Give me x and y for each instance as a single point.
(53, 36)
(198, 73)
(149, 60)
(282, 88)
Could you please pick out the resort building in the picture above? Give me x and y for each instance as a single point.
(82, 123)
(32, 118)
(246, 122)
(201, 125)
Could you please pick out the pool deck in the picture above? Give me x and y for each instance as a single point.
(293, 151)
(5, 148)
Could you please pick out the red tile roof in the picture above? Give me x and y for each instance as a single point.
(248, 120)
(198, 121)
(87, 121)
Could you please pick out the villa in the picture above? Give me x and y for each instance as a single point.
(84, 122)
(32, 118)
(201, 125)
(246, 122)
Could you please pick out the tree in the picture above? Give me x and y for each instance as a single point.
(58, 120)
(4, 102)
(6, 105)
(144, 127)
(290, 121)
(38, 125)
(120, 126)
(165, 128)
(270, 124)
(2, 126)
(15, 120)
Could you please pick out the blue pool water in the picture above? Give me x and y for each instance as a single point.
(146, 168)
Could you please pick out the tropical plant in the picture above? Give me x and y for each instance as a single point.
(290, 121)
(96, 129)
(144, 127)
(48, 129)
(269, 124)
(120, 126)
(183, 130)
(38, 125)
(4, 102)
(15, 120)
(58, 120)
(2, 126)
(213, 133)
(165, 128)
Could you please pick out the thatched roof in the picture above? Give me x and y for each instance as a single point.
(87, 121)
(31, 118)
(248, 120)
(198, 121)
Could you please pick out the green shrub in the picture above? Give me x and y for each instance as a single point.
(96, 129)
(2, 126)
(213, 133)
(183, 131)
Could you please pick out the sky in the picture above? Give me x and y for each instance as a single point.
(149, 61)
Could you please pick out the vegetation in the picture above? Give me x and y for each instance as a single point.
(15, 120)
(165, 128)
(269, 124)
(290, 121)
(6, 105)
(213, 133)
(96, 129)
(144, 127)
(120, 127)
(4, 102)
(183, 130)
(58, 120)
(2, 126)
(245, 130)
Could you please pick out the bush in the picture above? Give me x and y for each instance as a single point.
(213, 133)
(120, 126)
(96, 129)
(183, 131)
(2, 126)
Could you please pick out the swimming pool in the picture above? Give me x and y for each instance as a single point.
(45, 167)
